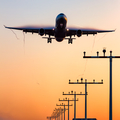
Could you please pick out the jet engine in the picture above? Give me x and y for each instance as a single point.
(41, 32)
(79, 33)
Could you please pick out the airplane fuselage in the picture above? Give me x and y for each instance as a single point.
(60, 27)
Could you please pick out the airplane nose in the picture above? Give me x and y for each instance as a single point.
(61, 25)
(59, 39)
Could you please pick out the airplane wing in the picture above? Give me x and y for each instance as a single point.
(35, 29)
(84, 31)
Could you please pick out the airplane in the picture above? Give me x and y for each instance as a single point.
(59, 31)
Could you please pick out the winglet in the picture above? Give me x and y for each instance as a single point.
(4, 26)
(114, 30)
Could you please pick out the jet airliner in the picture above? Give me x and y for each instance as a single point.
(60, 31)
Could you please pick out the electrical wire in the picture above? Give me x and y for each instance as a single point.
(14, 34)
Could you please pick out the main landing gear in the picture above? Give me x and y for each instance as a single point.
(49, 39)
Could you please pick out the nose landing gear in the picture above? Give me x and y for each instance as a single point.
(70, 40)
(49, 39)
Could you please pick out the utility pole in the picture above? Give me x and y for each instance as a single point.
(50, 118)
(64, 108)
(60, 112)
(85, 90)
(54, 116)
(68, 104)
(110, 91)
(55, 113)
(74, 100)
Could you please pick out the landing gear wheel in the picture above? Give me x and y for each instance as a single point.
(49, 40)
(70, 41)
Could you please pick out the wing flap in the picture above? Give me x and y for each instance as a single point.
(73, 31)
(33, 29)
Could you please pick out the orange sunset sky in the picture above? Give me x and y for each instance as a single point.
(34, 75)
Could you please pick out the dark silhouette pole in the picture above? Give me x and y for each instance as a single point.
(68, 104)
(56, 113)
(110, 94)
(64, 108)
(74, 101)
(85, 90)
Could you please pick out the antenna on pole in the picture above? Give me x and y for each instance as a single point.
(68, 103)
(110, 91)
(85, 90)
(74, 100)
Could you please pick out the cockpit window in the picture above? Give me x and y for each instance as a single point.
(61, 15)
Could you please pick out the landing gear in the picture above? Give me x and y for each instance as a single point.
(49, 40)
(70, 41)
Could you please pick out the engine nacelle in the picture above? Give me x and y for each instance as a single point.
(79, 33)
(41, 32)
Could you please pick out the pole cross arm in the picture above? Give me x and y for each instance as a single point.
(68, 100)
(104, 51)
(73, 93)
(63, 105)
(62, 110)
(101, 56)
(85, 82)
